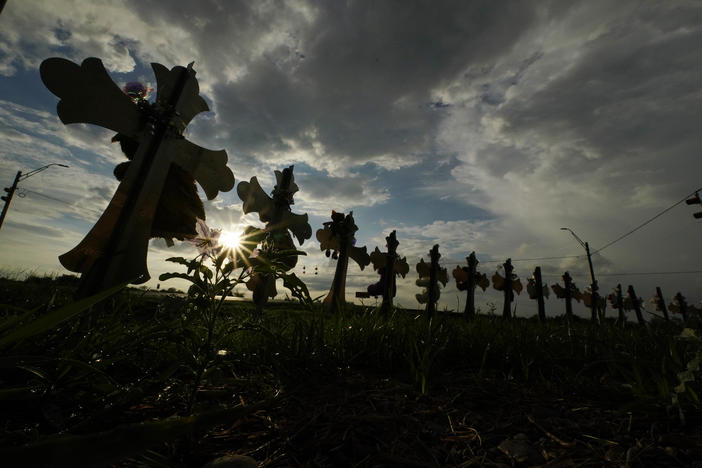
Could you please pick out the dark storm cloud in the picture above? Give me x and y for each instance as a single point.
(633, 96)
(358, 80)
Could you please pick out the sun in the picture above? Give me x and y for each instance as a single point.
(230, 240)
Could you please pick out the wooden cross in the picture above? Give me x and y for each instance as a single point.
(617, 301)
(659, 301)
(338, 236)
(600, 303)
(388, 265)
(568, 292)
(467, 278)
(537, 290)
(429, 277)
(508, 284)
(280, 222)
(679, 306)
(632, 301)
(115, 249)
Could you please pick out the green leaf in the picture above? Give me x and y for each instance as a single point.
(297, 288)
(286, 253)
(181, 260)
(52, 319)
(36, 371)
(167, 276)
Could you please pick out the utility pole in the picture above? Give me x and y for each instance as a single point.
(8, 198)
(11, 190)
(593, 285)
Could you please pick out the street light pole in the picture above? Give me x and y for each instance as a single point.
(11, 190)
(593, 285)
(8, 198)
(31, 173)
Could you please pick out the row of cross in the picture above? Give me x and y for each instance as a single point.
(157, 197)
(468, 278)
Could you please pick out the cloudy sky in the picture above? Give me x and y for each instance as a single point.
(482, 126)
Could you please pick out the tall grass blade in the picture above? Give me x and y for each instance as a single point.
(56, 317)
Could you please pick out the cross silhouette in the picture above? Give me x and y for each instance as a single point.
(115, 249)
(276, 213)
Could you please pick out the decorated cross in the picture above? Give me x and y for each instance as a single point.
(508, 284)
(659, 303)
(388, 265)
(617, 301)
(430, 274)
(680, 306)
(337, 236)
(601, 304)
(634, 302)
(115, 249)
(275, 212)
(568, 292)
(537, 290)
(467, 278)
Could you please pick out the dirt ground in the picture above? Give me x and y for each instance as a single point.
(367, 421)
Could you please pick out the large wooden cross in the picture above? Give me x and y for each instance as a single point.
(276, 213)
(337, 236)
(430, 275)
(115, 249)
(467, 278)
(507, 285)
(388, 265)
(568, 292)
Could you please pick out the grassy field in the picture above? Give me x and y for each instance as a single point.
(145, 379)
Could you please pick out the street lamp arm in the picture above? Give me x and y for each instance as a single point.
(31, 173)
(580, 241)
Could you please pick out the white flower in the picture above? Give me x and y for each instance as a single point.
(207, 240)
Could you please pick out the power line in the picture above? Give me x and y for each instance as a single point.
(534, 259)
(639, 273)
(47, 196)
(647, 221)
(519, 259)
(93, 211)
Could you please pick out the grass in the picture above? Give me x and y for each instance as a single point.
(155, 365)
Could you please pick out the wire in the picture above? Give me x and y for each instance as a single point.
(519, 259)
(95, 212)
(534, 259)
(47, 196)
(646, 222)
(653, 273)
(648, 273)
